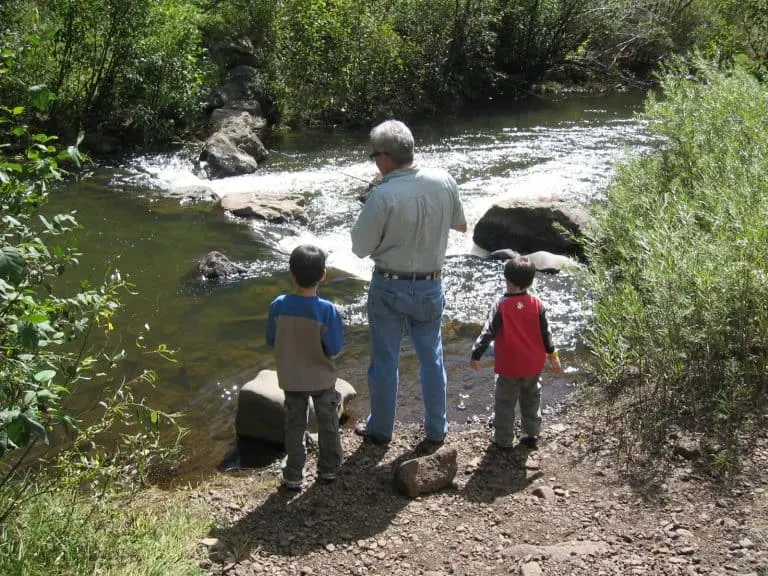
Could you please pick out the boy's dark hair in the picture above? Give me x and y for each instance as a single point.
(307, 264)
(520, 271)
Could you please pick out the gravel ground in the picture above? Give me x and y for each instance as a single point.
(564, 509)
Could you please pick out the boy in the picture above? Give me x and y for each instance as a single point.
(518, 324)
(306, 333)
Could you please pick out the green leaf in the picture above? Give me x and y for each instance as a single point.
(47, 224)
(28, 335)
(36, 317)
(153, 417)
(13, 166)
(11, 265)
(34, 428)
(45, 375)
(41, 96)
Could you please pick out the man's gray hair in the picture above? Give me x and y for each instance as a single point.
(393, 138)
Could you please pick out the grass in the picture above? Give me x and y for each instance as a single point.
(66, 534)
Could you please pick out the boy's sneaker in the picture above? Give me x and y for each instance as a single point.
(291, 484)
(530, 442)
(498, 447)
(328, 476)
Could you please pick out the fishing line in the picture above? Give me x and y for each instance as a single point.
(296, 157)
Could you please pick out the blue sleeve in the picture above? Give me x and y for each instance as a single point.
(333, 335)
(272, 324)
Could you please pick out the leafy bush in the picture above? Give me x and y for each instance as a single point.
(44, 334)
(132, 64)
(679, 267)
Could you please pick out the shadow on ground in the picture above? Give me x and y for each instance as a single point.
(497, 474)
(360, 504)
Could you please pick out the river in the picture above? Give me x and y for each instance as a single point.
(567, 146)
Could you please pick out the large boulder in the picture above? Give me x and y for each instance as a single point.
(266, 206)
(243, 130)
(224, 158)
(530, 225)
(261, 411)
(237, 52)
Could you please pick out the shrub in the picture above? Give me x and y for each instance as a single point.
(678, 262)
(44, 334)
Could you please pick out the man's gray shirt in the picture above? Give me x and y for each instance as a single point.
(404, 224)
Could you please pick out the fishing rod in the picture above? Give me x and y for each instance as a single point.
(295, 157)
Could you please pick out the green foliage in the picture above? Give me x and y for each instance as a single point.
(45, 351)
(225, 20)
(678, 260)
(348, 61)
(127, 63)
(378, 61)
(535, 35)
(736, 30)
(63, 532)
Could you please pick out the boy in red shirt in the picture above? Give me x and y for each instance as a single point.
(518, 324)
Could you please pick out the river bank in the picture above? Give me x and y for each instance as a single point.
(566, 509)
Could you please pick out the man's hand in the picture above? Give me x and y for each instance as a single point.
(475, 365)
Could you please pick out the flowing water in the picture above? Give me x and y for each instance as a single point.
(569, 147)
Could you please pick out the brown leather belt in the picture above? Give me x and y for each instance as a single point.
(394, 275)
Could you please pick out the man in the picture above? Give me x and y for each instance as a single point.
(404, 227)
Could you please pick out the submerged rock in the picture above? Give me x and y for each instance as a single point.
(215, 265)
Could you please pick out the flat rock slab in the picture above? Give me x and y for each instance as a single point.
(558, 552)
(265, 206)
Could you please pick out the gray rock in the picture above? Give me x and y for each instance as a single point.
(193, 194)
(530, 569)
(427, 474)
(215, 265)
(244, 130)
(548, 262)
(271, 207)
(530, 225)
(225, 159)
(260, 409)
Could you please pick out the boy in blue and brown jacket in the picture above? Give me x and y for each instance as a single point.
(517, 323)
(306, 332)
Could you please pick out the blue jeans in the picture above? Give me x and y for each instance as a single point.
(416, 306)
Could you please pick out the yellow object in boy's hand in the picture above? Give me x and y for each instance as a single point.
(554, 361)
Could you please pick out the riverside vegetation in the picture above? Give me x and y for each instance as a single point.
(141, 68)
(677, 281)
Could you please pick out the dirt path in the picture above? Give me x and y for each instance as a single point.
(562, 510)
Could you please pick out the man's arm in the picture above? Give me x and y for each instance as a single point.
(366, 233)
(458, 220)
